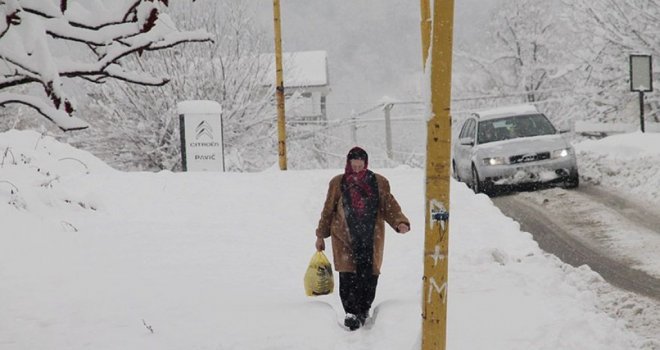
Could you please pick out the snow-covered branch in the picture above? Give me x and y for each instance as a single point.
(31, 31)
(59, 117)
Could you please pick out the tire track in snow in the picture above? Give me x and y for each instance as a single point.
(566, 229)
(561, 239)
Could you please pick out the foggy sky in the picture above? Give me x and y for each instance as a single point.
(374, 46)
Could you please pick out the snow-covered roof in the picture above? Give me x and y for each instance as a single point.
(506, 111)
(301, 69)
(199, 107)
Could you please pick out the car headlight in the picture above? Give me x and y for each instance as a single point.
(561, 153)
(495, 161)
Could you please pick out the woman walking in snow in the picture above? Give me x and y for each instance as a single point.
(356, 207)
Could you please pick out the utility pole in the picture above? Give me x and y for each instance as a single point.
(279, 86)
(438, 149)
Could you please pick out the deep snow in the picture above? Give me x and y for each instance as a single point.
(629, 163)
(91, 258)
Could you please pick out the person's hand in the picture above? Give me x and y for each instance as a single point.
(320, 244)
(403, 228)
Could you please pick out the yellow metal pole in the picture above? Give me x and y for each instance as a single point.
(279, 86)
(425, 23)
(436, 242)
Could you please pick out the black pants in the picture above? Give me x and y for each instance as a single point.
(357, 292)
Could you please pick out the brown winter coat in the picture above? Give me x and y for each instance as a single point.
(333, 223)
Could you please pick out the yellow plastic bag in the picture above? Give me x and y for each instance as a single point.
(318, 278)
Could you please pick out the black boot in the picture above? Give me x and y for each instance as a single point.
(362, 317)
(352, 322)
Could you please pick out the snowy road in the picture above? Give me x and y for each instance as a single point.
(614, 235)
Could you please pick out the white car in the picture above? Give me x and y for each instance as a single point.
(512, 146)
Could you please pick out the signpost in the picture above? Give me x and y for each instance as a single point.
(641, 80)
(200, 123)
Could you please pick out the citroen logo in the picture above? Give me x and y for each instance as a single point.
(204, 129)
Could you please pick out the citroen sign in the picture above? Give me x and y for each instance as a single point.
(201, 136)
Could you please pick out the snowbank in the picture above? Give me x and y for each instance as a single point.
(629, 163)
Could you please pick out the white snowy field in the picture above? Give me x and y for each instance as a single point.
(93, 258)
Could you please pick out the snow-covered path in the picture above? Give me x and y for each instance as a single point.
(215, 261)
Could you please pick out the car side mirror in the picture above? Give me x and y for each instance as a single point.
(564, 131)
(466, 141)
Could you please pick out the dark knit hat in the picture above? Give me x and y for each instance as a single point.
(357, 153)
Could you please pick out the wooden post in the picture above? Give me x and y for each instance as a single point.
(354, 128)
(388, 130)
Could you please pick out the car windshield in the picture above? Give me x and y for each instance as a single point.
(514, 127)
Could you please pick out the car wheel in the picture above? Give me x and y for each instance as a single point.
(476, 184)
(456, 176)
(573, 181)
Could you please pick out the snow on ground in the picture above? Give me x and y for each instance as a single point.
(92, 258)
(629, 163)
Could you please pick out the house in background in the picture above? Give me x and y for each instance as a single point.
(306, 75)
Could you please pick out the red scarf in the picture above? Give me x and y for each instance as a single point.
(358, 188)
